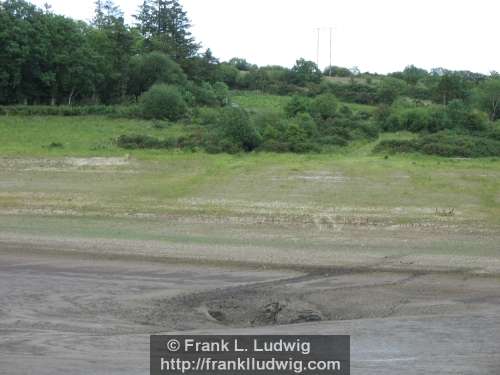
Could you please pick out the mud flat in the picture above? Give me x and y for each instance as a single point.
(62, 313)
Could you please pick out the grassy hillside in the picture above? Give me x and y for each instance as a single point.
(257, 101)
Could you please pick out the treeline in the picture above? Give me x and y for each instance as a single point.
(50, 59)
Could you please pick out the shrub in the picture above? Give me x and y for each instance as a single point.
(307, 123)
(389, 89)
(144, 142)
(221, 92)
(296, 105)
(463, 117)
(163, 102)
(393, 146)
(63, 110)
(324, 106)
(368, 130)
(263, 120)
(205, 94)
(444, 143)
(235, 127)
(55, 145)
(334, 140)
(493, 133)
(206, 116)
(433, 119)
(450, 144)
(296, 137)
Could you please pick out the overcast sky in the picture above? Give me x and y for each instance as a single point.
(377, 36)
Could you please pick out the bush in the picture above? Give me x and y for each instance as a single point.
(393, 146)
(334, 140)
(296, 105)
(445, 143)
(205, 94)
(463, 117)
(307, 123)
(221, 93)
(163, 102)
(235, 129)
(55, 145)
(264, 120)
(144, 142)
(450, 144)
(206, 116)
(324, 106)
(63, 110)
(433, 119)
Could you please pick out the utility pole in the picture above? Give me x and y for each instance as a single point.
(318, 30)
(317, 48)
(330, 52)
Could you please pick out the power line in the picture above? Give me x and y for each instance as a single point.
(318, 31)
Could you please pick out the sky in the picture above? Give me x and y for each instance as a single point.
(377, 36)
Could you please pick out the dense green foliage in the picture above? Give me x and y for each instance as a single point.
(163, 101)
(444, 143)
(53, 65)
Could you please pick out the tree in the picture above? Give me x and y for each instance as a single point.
(488, 97)
(241, 64)
(165, 26)
(411, 74)
(16, 54)
(389, 89)
(337, 71)
(450, 86)
(305, 72)
(227, 73)
(202, 68)
(106, 13)
(154, 67)
(113, 43)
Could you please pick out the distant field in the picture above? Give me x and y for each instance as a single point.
(276, 103)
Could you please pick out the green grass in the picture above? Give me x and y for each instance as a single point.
(258, 101)
(85, 135)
